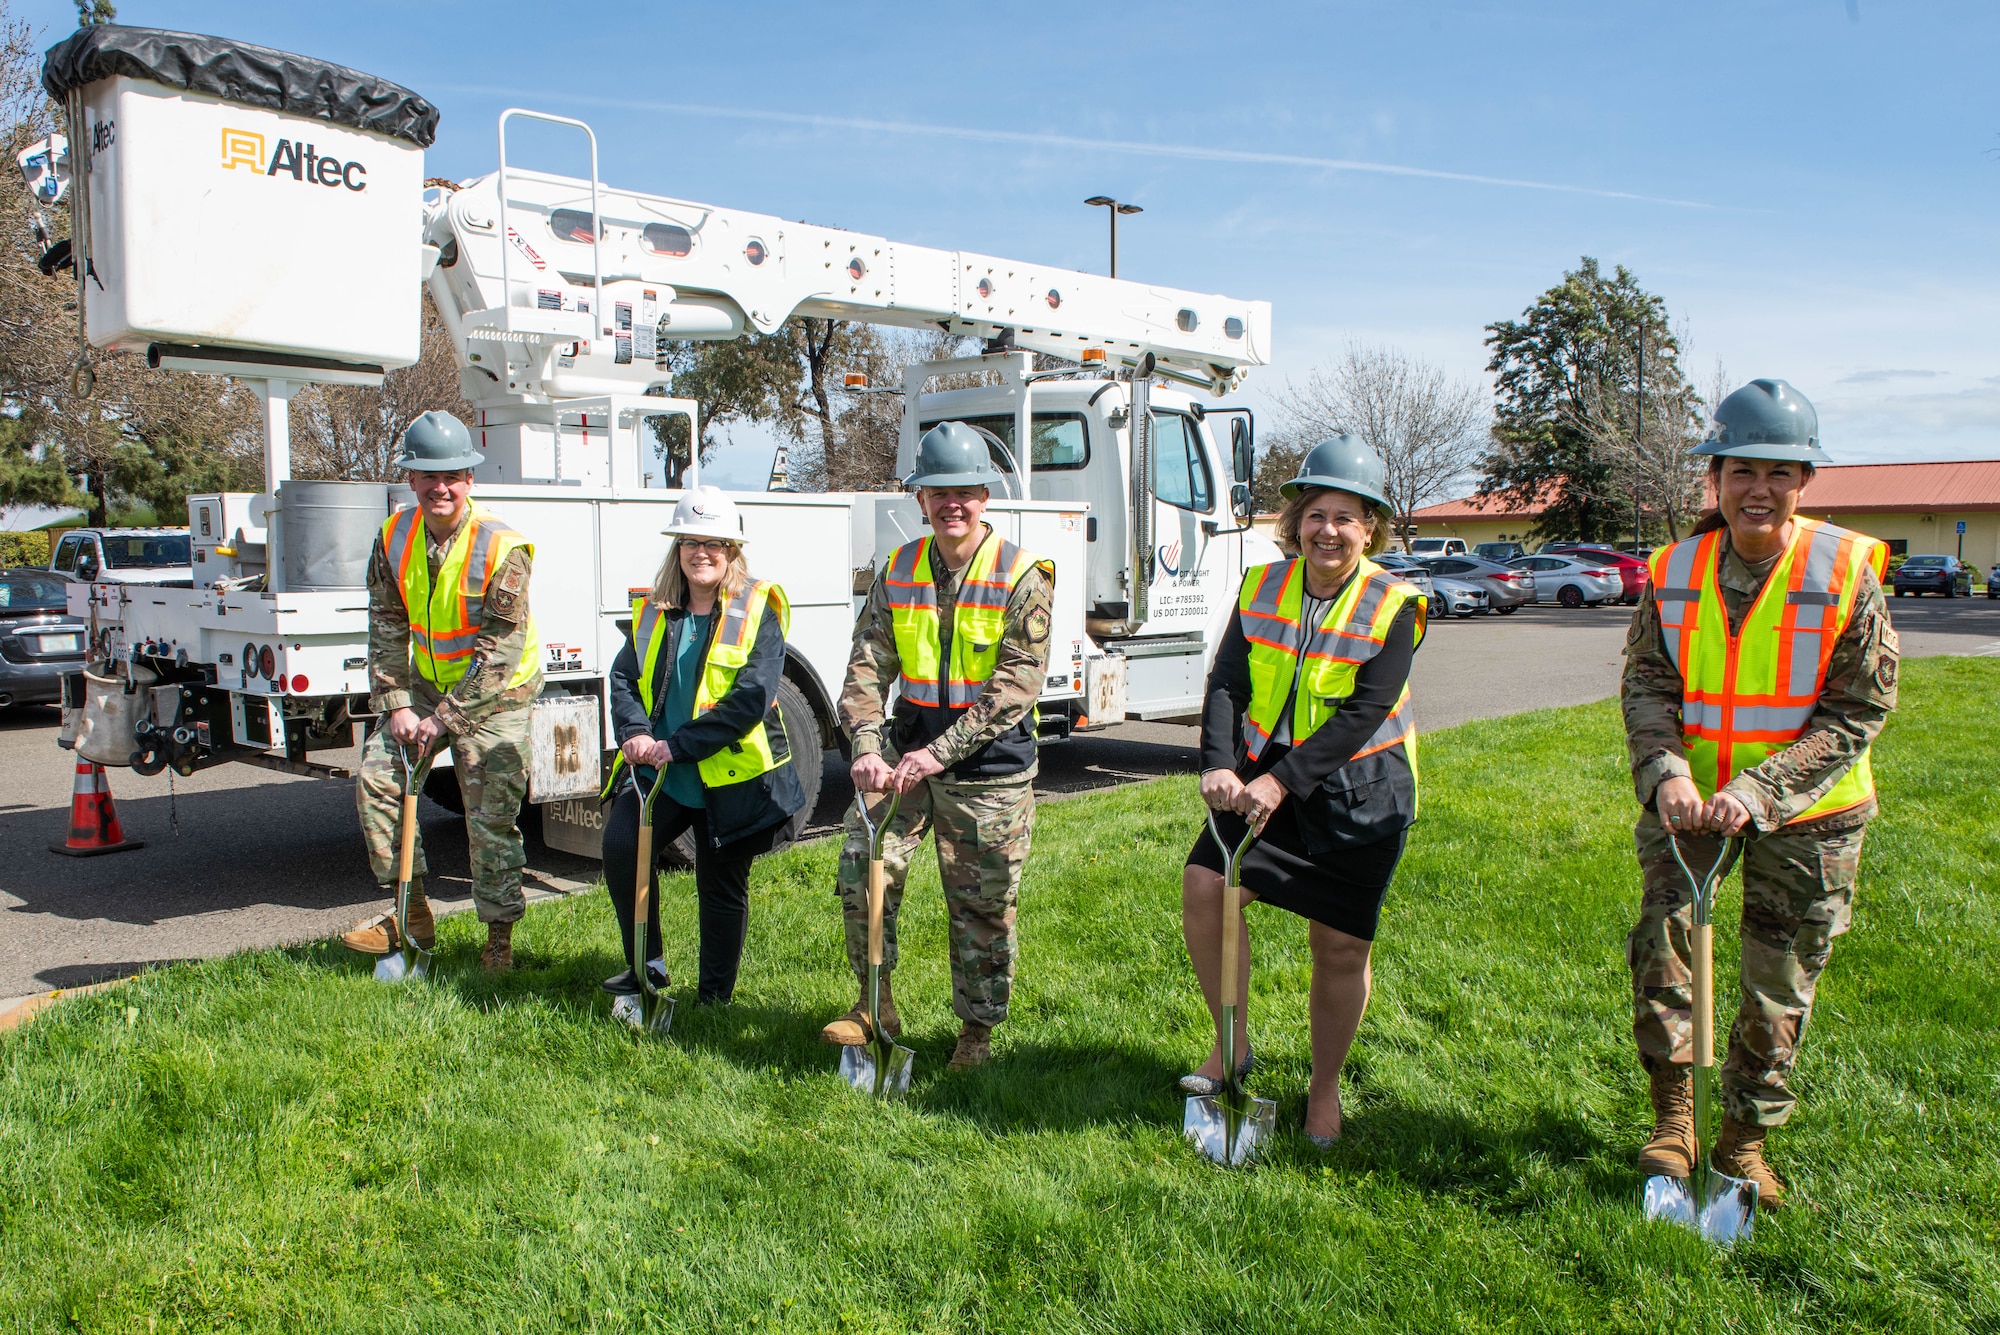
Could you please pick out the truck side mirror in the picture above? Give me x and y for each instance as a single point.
(86, 565)
(1242, 453)
(1239, 501)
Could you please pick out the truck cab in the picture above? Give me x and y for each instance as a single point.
(125, 556)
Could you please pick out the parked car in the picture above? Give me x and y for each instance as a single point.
(1437, 547)
(125, 556)
(1573, 581)
(1506, 588)
(1993, 581)
(1632, 570)
(1457, 597)
(1416, 572)
(38, 640)
(1920, 575)
(1499, 551)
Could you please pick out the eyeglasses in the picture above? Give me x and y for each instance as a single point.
(719, 546)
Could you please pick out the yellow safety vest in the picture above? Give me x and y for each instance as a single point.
(977, 620)
(729, 646)
(1353, 631)
(1747, 696)
(444, 622)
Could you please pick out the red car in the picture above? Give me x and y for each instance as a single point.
(1632, 571)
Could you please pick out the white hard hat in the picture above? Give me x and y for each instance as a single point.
(706, 513)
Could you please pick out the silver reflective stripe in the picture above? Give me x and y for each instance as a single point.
(1701, 716)
(1269, 625)
(1678, 586)
(1810, 608)
(1789, 720)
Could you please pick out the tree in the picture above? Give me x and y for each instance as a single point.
(352, 431)
(1565, 377)
(745, 379)
(1429, 428)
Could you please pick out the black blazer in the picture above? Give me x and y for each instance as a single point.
(735, 810)
(1341, 801)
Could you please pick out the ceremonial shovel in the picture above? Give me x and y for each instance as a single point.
(646, 1010)
(1230, 1126)
(410, 960)
(880, 1067)
(1719, 1207)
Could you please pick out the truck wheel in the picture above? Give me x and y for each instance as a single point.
(802, 730)
(1570, 596)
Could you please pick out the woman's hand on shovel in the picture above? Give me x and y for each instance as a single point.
(1259, 798)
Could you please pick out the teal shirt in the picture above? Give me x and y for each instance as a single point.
(683, 778)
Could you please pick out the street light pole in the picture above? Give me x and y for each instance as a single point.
(1114, 208)
(1639, 439)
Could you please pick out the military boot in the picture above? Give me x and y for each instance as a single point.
(975, 1045)
(1739, 1152)
(377, 935)
(1671, 1151)
(498, 957)
(851, 1029)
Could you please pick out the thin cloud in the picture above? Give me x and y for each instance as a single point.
(1877, 377)
(1139, 148)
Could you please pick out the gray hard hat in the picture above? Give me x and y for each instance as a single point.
(1343, 463)
(1766, 419)
(438, 443)
(952, 454)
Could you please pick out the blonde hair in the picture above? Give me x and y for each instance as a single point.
(1287, 528)
(670, 585)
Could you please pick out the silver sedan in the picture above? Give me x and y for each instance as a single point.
(1506, 588)
(1573, 581)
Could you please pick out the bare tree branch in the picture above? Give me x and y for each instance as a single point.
(1429, 428)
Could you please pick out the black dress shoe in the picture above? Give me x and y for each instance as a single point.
(1205, 1086)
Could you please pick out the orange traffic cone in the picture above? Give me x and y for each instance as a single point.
(93, 820)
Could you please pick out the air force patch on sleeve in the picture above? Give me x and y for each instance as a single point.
(1038, 625)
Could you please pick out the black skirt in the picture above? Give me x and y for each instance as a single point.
(1343, 889)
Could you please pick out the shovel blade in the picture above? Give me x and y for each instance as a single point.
(406, 965)
(1727, 1215)
(648, 1014)
(880, 1069)
(1227, 1131)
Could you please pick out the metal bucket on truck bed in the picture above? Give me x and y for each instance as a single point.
(329, 532)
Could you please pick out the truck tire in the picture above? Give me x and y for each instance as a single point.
(802, 731)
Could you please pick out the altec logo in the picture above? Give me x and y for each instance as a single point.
(245, 148)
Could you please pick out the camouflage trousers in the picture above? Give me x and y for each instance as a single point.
(1798, 894)
(492, 767)
(982, 831)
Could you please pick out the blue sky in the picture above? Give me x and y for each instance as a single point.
(1809, 185)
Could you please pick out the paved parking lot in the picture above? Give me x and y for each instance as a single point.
(259, 859)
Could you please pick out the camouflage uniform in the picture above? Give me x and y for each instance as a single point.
(1798, 880)
(983, 826)
(486, 724)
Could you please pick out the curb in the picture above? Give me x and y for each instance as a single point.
(16, 1011)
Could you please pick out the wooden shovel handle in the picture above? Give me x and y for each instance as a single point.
(407, 855)
(878, 892)
(642, 895)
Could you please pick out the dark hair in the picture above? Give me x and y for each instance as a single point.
(1712, 520)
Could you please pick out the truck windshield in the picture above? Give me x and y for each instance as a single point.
(1060, 441)
(138, 552)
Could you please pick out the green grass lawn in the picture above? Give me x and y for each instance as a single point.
(274, 1142)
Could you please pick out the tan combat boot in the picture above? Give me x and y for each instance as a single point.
(377, 935)
(851, 1029)
(1739, 1152)
(1671, 1151)
(498, 957)
(975, 1045)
